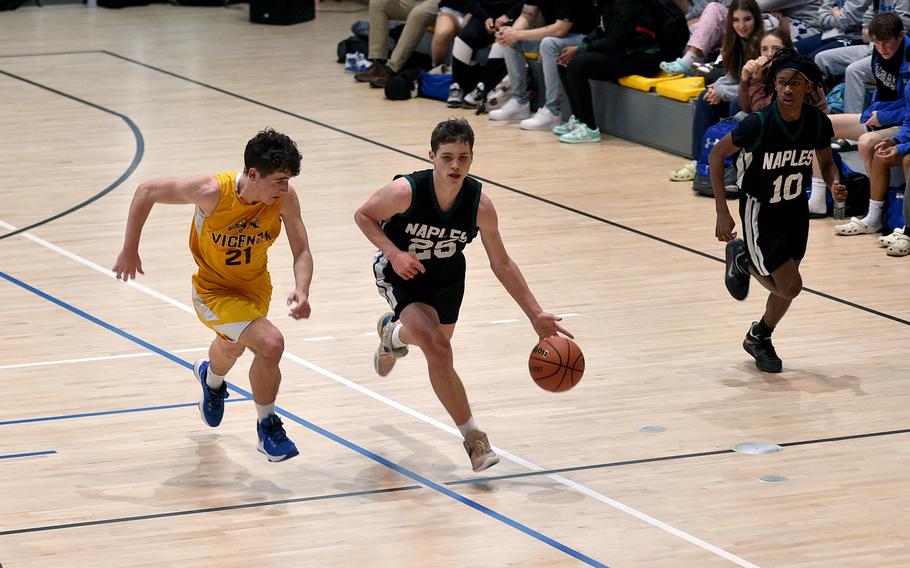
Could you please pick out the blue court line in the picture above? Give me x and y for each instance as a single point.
(334, 437)
(109, 412)
(43, 453)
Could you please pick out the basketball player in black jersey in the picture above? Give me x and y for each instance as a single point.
(776, 147)
(421, 222)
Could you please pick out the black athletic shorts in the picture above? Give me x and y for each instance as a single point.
(774, 233)
(441, 286)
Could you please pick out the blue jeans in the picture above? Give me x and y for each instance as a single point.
(549, 49)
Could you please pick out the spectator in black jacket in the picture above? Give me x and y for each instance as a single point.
(486, 17)
(625, 43)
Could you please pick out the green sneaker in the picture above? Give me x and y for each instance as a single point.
(567, 127)
(581, 135)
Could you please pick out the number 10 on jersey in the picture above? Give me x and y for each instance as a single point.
(792, 187)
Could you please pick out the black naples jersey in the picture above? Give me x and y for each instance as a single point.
(775, 163)
(425, 230)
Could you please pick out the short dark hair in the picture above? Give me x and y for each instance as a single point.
(886, 26)
(452, 130)
(271, 151)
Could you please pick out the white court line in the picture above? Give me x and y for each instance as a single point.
(100, 358)
(503, 321)
(320, 338)
(432, 421)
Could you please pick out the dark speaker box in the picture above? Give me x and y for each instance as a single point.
(282, 12)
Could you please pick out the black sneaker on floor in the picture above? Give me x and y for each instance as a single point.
(762, 350)
(735, 278)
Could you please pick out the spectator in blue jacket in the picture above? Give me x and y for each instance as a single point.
(852, 61)
(881, 119)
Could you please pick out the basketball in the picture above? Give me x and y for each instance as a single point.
(556, 364)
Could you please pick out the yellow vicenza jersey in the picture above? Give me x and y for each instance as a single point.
(230, 245)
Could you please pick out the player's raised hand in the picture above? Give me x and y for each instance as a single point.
(546, 325)
(127, 265)
(299, 303)
(406, 265)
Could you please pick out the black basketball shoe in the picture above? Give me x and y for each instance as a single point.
(737, 277)
(762, 350)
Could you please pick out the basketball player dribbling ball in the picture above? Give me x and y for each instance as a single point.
(238, 217)
(776, 147)
(421, 222)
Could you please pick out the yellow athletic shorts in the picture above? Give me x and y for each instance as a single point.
(228, 312)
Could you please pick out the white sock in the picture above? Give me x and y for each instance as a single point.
(874, 217)
(691, 58)
(396, 341)
(817, 199)
(212, 380)
(263, 411)
(467, 427)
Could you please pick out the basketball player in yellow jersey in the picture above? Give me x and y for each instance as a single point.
(238, 217)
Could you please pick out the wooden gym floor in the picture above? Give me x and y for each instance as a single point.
(105, 463)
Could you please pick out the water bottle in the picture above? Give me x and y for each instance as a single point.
(840, 210)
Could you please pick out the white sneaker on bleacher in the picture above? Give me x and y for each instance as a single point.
(543, 119)
(512, 111)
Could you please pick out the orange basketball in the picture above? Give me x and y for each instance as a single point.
(556, 364)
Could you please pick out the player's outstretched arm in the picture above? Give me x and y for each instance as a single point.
(724, 226)
(507, 272)
(390, 200)
(299, 299)
(201, 190)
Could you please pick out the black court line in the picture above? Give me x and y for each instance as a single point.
(674, 457)
(523, 193)
(137, 157)
(208, 510)
(471, 481)
(849, 437)
(46, 53)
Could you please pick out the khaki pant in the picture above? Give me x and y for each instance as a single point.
(417, 15)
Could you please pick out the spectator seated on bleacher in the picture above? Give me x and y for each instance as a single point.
(800, 17)
(854, 62)
(705, 40)
(565, 24)
(485, 17)
(742, 41)
(417, 15)
(628, 44)
(841, 24)
(880, 120)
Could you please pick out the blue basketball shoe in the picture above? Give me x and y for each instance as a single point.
(211, 406)
(273, 441)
